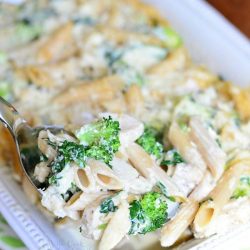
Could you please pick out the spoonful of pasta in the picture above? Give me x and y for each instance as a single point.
(88, 157)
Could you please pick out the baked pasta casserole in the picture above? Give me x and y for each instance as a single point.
(155, 144)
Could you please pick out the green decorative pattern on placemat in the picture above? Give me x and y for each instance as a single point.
(12, 241)
(8, 239)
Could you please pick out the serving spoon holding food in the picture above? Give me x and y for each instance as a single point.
(25, 138)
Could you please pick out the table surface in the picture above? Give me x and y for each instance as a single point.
(236, 11)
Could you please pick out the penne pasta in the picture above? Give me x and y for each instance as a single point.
(43, 145)
(132, 181)
(219, 196)
(134, 100)
(177, 60)
(59, 46)
(122, 36)
(116, 105)
(148, 168)
(174, 229)
(85, 179)
(104, 176)
(92, 218)
(171, 232)
(182, 142)
(98, 91)
(131, 129)
(204, 187)
(37, 76)
(241, 98)
(116, 229)
(212, 154)
(80, 200)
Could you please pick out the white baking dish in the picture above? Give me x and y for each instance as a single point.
(211, 41)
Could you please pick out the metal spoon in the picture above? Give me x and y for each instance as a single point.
(25, 138)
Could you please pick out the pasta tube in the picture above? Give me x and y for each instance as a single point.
(98, 91)
(174, 229)
(148, 168)
(104, 176)
(122, 36)
(59, 46)
(219, 196)
(171, 232)
(204, 187)
(134, 99)
(85, 179)
(181, 141)
(37, 76)
(80, 200)
(213, 155)
(177, 60)
(117, 228)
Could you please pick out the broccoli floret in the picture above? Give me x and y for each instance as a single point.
(101, 139)
(149, 142)
(169, 36)
(73, 152)
(100, 153)
(243, 188)
(26, 32)
(67, 152)
(148, 214)
(172, 158)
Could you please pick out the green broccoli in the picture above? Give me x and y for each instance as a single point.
(172, 158)
(100, 139)
(243, 188)
(73, 152)
(169, 36)
(162, 188)
(67, 152)
(26, 32)
(149, 142)
(148, 214)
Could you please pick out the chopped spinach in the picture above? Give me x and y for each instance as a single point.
(172, 158)
(108, 206)
(164, 191)
(70, 192)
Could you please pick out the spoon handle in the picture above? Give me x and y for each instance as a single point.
(9, 116)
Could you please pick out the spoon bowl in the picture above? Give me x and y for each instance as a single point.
(25, 138)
